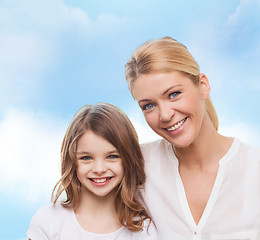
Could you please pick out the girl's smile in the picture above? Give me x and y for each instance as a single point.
(100, 168)
(100, 181)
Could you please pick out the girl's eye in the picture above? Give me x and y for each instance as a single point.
(85, 158)
(174, 94)
(113, 156)
(147, 106)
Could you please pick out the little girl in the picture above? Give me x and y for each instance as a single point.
(102, 172)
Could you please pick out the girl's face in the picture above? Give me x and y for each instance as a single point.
(100, 168)
(173, 105)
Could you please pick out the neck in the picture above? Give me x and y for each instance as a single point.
(96, 206)
(97, 214)
(207, 149)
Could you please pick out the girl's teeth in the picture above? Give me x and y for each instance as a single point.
(101, 180)
(176, 126)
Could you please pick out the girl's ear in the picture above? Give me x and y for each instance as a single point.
(204, 86)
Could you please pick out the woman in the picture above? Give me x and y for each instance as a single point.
(200, 184)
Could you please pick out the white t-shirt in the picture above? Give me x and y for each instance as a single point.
(56, 222)
(233, 209)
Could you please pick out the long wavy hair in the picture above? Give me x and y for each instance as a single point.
(111, 123)
(166, 55)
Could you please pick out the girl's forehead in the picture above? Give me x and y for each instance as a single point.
(91, 141)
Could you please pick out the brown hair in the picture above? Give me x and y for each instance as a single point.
(109, 122)
(166, 55)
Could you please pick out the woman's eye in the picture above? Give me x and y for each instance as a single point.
(85, 158)
(174, 94)
(147, 106)
(113, 156)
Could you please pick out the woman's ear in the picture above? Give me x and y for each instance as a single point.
(204, 86)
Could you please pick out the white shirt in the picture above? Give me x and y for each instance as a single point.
(233, 209)
(56, 222)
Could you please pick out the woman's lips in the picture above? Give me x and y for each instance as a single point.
(176, 125)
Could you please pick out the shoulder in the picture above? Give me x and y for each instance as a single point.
(45, 218)
(149, 231)
(159, 149)
(244, 157)
(248, 152)
(150, 227)
(51, 211)
(157, 145)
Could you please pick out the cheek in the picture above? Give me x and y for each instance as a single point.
(151, 119)
(119, 170)
(194, 103)
(79, 174)
(200, 106)
(82, 171)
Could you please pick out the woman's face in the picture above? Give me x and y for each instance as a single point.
(173, 105)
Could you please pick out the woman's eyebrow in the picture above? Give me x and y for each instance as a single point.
(144, 100)
(165, 92)
(170, 88)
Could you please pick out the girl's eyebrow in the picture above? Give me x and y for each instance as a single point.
(114, 151)
(82, 152)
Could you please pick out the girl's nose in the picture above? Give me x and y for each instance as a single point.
(99, 167)
(166, 112)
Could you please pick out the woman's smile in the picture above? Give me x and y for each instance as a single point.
(176, 125)
(175, 108)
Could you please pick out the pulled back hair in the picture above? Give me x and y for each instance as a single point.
(109, 122)
(162, 56)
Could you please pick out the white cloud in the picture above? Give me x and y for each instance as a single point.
(30, 146)
(14, 239)
(107, 22)
(241, 30)
(243, 10)
(23, 58)
(34, 38)
(228, 51)
(245, 132)
(255, 85)
(145, 133)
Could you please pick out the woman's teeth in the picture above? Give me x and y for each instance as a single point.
(177, 125)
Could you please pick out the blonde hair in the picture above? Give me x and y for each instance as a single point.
(109, 122)
(166, 55)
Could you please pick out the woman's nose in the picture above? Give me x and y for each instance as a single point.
(166, 112)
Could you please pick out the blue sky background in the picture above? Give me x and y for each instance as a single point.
(56, 56)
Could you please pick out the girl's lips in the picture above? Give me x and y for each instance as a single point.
(100, 181)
